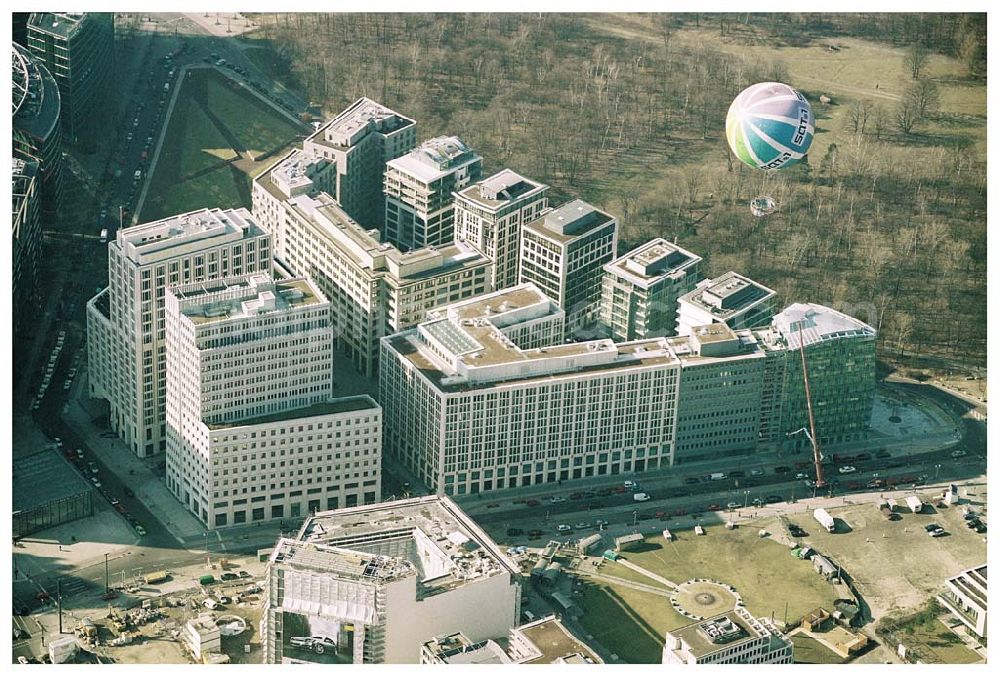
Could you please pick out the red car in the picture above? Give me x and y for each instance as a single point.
(533, 503)
(620, 490)
(662, 515)
(605, 491)
(714, 506)
(854, 486)
(576, 496)
(802, 465)
(679, 512)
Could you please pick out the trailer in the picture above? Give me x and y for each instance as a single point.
(891, 502)
(824, 518)
(156, 577)
(915, 504)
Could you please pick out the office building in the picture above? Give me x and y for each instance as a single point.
(375, 289)
(485, 396)
(297, 173)
(540, 642)
(489, 216)
(639, 297)
(372, 584)
(735, 637)
(126, 347)
(359, 142)
(840, 358)
(731, 299)
(718, 405)
(35, 123)
(26, 232)
(419, 187)
(253, 429)
(966, 597)
(563, 252)
(79, 51)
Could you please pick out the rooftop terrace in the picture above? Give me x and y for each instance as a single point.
(446, 548)
(60, 24)
(728, 295)
(500, 189)
(354, 123)
(572, 220)
(173, 236)
(714, 634)
(214, 301)
(652, 262)
(435, 158)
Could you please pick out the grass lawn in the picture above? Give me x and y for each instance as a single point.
(629, 623)
(809, 650)
(761, 570)
(193, 169)
(936, 643)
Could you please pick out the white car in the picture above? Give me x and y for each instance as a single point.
(756, 472)
(563, 528)
(846, 469)
(958, 453)
(801, 476)
(641, 497)
(557, 499)
(629, 484)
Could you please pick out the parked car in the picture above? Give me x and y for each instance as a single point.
(139, 529)
(958, 453)
(756, 472)
(714, 506)
(318, 645)
(774, 498)
(801, 476)
(97, 482)
(732, 505)
(641, 497)
(737, 473)
(846, 469)
(243, 574)
(863, 457)
(883, 454)
(781, 469)
(514, 531)
(691, 480)
(564, 528)
(533, 503)
(582, 525)
(557, 499)
(934, 530)
(229, 576)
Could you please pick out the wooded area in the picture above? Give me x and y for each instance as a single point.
(886, 220)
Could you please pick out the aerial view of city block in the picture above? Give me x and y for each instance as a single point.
(499, 338)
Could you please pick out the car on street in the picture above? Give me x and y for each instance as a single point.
(318, 645)
(732, 505)
(532, 503)
(781, 469)
(601, 523)
(680, 511)
(575, 496)
(801, 476)
(737, 473)
(535, 533)
(641, 497)
(883, 454)
(958, 453)
(714, 506)
(514, 531)
(756, 472)
(774, 498)
(691, 480)
(97, 482)
(564, 528)
(582, 525)
(863, 457)
(605, 491)
(557, 499)
(243, 574)
(934, 530)
(139, 529)
(492, 505)
(662, 515)
(846, 469)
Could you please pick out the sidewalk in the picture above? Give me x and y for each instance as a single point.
(132, 471)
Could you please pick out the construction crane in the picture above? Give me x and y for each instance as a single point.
(817, 457)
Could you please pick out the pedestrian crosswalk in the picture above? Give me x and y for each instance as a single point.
(72, 587)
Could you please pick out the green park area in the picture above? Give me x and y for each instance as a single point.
(218, 137)
(632, 622)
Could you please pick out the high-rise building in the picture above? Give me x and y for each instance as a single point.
(731, 299)
(641, 289)
(540, 642)
(486, 396)
(126, 332)
(79, 51)
(735, 637)
(489, 216)
(372, 584)
(419, 187)
(374, 288)
(840, 359)
(718, 405)
(359, 141)
(35, 123)
(250, 380)
(26, 231)
(563, 252)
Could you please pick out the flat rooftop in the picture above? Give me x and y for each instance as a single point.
(714, 634)
(572, 220)
(61, 24)
(339, 562)
(652, 262)
(214, 301)
(435, 158)
(340, 405)
(501, 189)
(817, 324)
(457, 649)
(293, 170)
(728, 295)
(362, 115)
(446, 547)
(44, 477)
(174, 235)
(555, 642)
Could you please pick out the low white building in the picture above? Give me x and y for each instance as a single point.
(541, 642)
(729, 638)
(201, 636)
(372, 584)
(966, 597)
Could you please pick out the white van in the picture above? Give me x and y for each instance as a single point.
(629, 484)
(640, 497)
(104, 235)
(210, 604)
(717, 476)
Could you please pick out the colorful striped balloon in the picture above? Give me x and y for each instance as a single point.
(770, 126)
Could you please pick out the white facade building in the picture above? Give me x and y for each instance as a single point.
(563, 252)
(419, 206)
(484, 396)
(489, 216)
(966, 597)
(126, 331)
(731, 299)
(639, 297)
(735, 637)
(373, 584)
(359, 141)
(254, 432)
(374, 289)
(540, 642)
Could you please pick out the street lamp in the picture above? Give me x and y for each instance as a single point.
(208, 557)
(937, 469)
(746, 498)
(635, 517)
